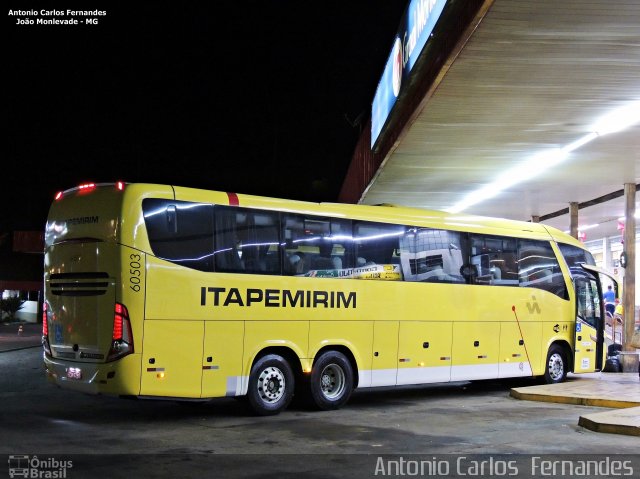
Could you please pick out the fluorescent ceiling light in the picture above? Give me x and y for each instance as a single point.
(624, 218)
(618, 119)
(523, 172)
(585, 228)
(580, 142)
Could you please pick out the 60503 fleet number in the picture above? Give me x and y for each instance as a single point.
(135, 271)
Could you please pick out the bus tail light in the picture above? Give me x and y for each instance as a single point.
(86, 187)
(122, 337)
(45, 331)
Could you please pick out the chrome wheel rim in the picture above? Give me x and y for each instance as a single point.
(332, 381)
(556, 367)
(271, 385)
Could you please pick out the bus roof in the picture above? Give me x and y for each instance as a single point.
(387, 213)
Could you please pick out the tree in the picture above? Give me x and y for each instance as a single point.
(10, 307)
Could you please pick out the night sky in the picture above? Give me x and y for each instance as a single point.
(252, 97)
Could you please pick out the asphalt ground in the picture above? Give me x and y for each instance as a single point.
(445, 426)
(19, 335)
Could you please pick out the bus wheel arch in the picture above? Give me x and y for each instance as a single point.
(558, 362)
(272, 380)
(333, 377)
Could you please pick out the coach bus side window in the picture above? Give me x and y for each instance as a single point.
(227, 243)
(180, 232)
(316, 246)
(574, 257)
(495, 260)
(258, 241)
(247, 241)
(431, 255)
(377, 250)
(539, 268)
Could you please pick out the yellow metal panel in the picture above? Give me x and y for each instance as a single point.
(520, 346)
(173, 292)
(541, 314)
(424, 354)
(476, 344)
(201, 196)
(424, 344)
(385, 345)
(533, 344)
(222, 359)
(172, 358)
(262, 334)
(384, 367)
(357, 336)
(125, 376)
(556, 332)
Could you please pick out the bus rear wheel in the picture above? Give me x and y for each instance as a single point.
(331, 381)
(271, 385)
(557, 365)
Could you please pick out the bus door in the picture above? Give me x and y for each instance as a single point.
(589, 330)
(596, 274)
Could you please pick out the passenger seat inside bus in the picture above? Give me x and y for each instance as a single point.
(291, 263)
(228, 261)
(321, 262)
(362, 262)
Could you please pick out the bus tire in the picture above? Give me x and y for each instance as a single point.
(271, 385)
(331, 381)
(557, 365)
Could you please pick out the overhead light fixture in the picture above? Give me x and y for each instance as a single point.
(585, 228)
(616, 120)
(636, 215)
(525, 171)
(580, 142)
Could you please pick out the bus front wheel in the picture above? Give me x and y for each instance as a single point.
(271, 385)
(331, 381)
(557, 365)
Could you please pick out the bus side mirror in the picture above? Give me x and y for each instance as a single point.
(623, 259)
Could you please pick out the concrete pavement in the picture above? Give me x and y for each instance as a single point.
(618, 392)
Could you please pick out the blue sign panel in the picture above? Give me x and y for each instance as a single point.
(415, 29)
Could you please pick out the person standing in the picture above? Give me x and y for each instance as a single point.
(609, 296)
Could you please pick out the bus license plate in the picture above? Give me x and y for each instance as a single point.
(74, 373)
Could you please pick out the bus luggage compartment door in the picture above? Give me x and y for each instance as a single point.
(172, 358)
(222, 358)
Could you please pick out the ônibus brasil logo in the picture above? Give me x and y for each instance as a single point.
(34, 467)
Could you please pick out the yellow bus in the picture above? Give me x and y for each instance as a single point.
(159, 291)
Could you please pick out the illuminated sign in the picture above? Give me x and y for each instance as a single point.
(415, 29)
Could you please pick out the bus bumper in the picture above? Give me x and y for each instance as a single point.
(118, 378)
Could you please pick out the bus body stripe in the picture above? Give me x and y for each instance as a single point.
(233, 199)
